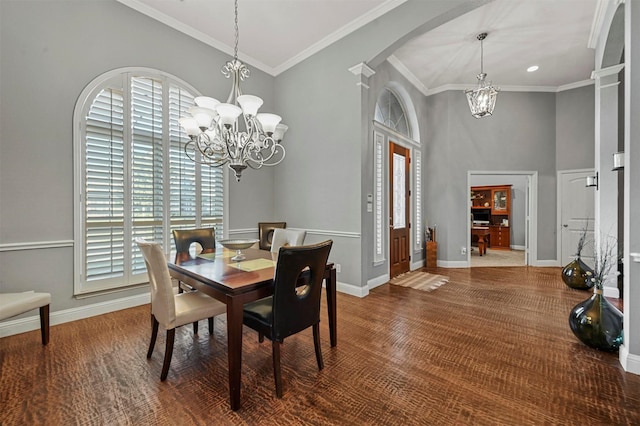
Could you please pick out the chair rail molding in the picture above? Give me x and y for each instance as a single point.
(36, 245)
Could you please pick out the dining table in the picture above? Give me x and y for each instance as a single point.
(236, 283)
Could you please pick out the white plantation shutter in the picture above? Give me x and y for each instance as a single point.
(135, 178)
(104, 187)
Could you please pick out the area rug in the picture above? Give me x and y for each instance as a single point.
(420, 280)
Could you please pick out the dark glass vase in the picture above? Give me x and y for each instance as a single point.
(597, 323)
(575, 275)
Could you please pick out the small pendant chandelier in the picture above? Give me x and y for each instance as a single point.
(482, 99)
(218, 138)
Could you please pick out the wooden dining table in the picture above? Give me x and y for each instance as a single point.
(236, 283)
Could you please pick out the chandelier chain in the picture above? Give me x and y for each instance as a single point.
(235, 50)
(482, 56)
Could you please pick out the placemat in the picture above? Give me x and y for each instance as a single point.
(254, 265)
(221, 254)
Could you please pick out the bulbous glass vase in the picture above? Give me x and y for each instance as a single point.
(597, 323)
(575, 275)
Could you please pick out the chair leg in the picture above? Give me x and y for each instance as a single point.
(210, 326)
(44, 324)
(277, 374)
(171, 335)
(154, 334)
(316, 344)
(180, 290)
(260, 337)
(195, 327)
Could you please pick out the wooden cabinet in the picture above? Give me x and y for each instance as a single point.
(432, 255)
(492, 205)
(500, 237)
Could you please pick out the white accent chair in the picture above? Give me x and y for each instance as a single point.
(170, 309)
(286, 237)
(12, 304)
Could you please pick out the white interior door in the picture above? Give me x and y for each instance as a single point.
(577, 209)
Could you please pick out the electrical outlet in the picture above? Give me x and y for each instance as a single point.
(463, 250)
(338, 267)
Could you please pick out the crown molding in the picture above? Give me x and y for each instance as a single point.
(273, 71)
(598, 22)
(575, 85)
(399, 66)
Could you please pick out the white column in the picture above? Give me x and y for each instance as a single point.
(630, 350)
(606, 144)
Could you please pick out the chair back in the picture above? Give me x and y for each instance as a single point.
(287, 237)
(163, 305)
(265, 233)
(183, 238)
(297, 308)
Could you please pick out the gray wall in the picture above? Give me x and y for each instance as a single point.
(519, 136)
(320, 185)
(575, 129)
(50, 51)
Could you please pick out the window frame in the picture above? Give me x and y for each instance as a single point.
(122, 77)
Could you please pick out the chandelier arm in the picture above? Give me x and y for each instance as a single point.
(212, 163)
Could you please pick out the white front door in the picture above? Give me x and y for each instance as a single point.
(577, 209)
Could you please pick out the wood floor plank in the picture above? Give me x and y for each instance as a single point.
(491, 347)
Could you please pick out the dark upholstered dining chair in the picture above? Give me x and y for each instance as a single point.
(172, 310)
(184, 238)
(291, 309)
(265, 233)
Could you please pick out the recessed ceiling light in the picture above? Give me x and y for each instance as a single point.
(533, 68)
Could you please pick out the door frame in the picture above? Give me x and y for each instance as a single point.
(559, 194)
(414, 151)
(531, 214)
(409, 204)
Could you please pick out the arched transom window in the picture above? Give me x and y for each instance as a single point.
(390, 112)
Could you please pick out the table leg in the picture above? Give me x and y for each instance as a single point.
(481, 247)
(234, 339)
(331, 306)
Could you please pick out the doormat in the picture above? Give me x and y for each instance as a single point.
(420, 280)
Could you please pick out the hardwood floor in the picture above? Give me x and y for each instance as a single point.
(491, 347)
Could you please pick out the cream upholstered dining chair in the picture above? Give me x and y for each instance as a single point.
(292, 308)
(287, 237)
(12, 304)
(172, 310)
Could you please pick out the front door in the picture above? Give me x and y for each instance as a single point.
(399, 209)
(576, 212)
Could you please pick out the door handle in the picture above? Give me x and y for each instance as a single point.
(566, 226)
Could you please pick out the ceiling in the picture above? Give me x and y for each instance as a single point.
(277, 34)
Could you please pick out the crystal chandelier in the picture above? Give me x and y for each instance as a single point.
(219, 137)
(482, 99)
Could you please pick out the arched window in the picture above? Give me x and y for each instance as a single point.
(133, 178)
(390, 112)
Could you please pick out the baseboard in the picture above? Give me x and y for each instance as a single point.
(453, 264)
(352, 290)
(612, 292)
(521, 248)
(22, 325)
(546, 263)
(417, 265)
(378, 281)
(630, 362)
